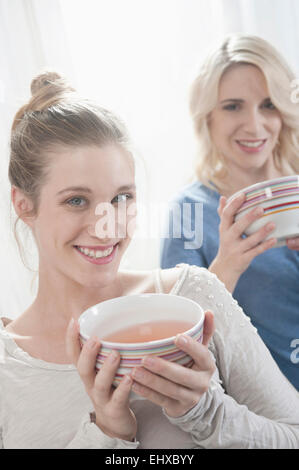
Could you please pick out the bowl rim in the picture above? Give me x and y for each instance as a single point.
(159, 342)
(264, 184)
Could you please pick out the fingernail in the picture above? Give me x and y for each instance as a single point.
(92, 342)
(113, 356)
(182, 340)
(259, 211)
(138, 373)
(127, 379)
(149, 361)
(271, 227)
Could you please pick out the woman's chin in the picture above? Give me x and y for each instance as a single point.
(99, 280)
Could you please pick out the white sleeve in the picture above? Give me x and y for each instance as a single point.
(90, 436)
(256, 406)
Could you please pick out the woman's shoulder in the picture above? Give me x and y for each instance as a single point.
(196, 192)
(155, 280)
(166, 281)
(172, 276)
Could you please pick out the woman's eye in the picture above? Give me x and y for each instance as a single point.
(231, 107)
(268, 105)
(76, 201)
(122, 198)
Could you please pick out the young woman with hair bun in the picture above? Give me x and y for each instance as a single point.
(67, 156)
(247, 129)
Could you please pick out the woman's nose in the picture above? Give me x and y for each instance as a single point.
(101, 222)
(253, 123)
(108, 221)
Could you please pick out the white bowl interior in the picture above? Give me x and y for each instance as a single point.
(115, 314)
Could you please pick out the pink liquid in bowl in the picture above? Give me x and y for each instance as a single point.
(148, 331)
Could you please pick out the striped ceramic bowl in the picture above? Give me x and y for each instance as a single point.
(111, 316)
(280, 200)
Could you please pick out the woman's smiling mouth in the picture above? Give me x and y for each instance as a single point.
(97, 254)
(251, 146)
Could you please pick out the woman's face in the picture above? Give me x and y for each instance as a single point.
(82, 227)
(245, 125)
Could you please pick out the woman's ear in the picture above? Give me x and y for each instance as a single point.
(22, 204)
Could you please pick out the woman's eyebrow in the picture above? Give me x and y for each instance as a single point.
(239, 100)
(127, 187)
(88, 190)
(235, 100)
(74, 188)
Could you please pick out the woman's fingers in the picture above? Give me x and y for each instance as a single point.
(229, 211)
(187, 377)
(175, 388)
(246, 220)
(175, 372)
(156, 382)
(222, 204)
(199, 353)
(173, 382)
(105, 377)
(121, 394)
(260, 248)
(111, 406)
(87, 361)
(209, 328)
(253, 240)
(73, 345)
(161, 399)
(238, 227)
(84, 357)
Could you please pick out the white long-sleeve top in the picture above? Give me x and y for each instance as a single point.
(249, 404)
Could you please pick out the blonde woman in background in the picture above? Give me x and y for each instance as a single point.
(247, 128)
(68, 156)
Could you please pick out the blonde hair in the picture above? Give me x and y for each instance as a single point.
(55, 116)
(239, 49)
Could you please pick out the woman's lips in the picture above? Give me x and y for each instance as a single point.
(96, 247)
(251, 146)
(94, 254)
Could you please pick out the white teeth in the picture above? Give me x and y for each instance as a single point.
(96, 253)
(251, 144)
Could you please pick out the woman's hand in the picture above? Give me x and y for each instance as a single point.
(176, 388)
(236, 253)
(113, 414)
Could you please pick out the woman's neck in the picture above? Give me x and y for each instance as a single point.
(55, 305)
(237, 178)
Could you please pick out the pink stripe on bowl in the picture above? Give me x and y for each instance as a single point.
(259, 200)
(266, 190)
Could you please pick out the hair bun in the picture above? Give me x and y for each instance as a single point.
(48, 88)
(49, 78)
